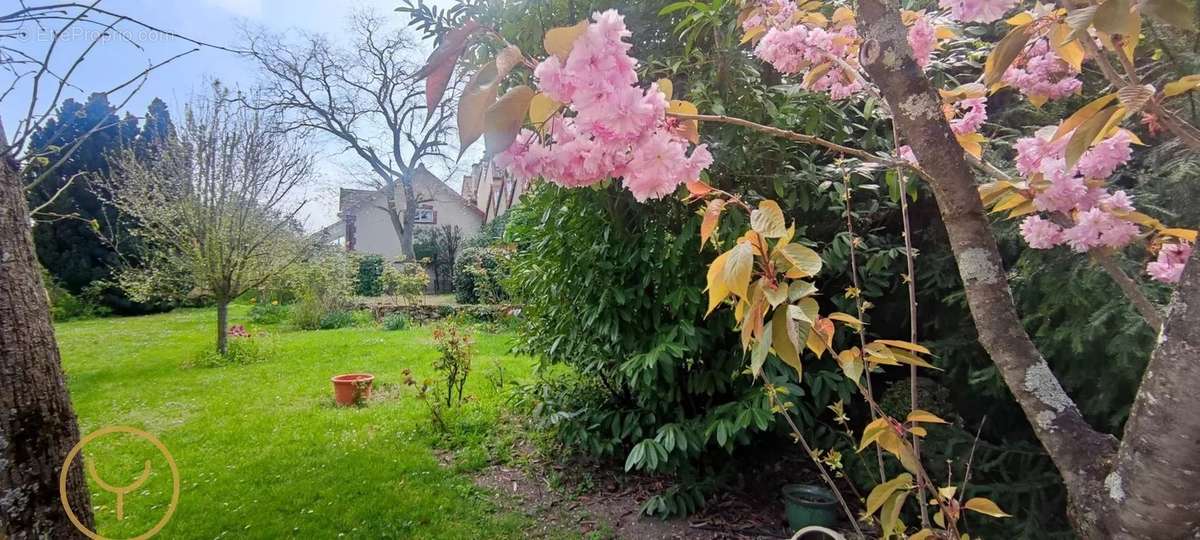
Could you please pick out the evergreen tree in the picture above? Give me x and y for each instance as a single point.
(67, 235)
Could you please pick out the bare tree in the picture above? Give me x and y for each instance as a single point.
(37, 422)
(218, 204)
(367, 97)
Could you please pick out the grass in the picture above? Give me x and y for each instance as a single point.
(261, 450)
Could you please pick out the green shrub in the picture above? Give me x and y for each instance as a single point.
(243, 348)
(325, 285)
(655, 384)
(480, 273)
(336, 319)
(306, 315)
(370, 269)
(362, 318)
(268, 313)
(406, 281)
(345, 318)
(65, 306)
(395, 321)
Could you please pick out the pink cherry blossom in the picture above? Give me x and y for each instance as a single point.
(654, 169)
(1116, 202)
(772, 13)
(1041, 233)
(1168, 268)
(1106, 156)
(552, 81)
(923, 39)
(983, 11)
(611, 127)
(973, 113)
(1096, 228)
(1065, 191)
(796, 50)
(1031, 151)
(1041, 73)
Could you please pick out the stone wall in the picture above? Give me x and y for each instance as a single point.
(422, 313)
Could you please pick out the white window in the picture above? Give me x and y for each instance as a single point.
(426, 215)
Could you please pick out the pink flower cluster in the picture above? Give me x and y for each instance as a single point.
(971, 114)
(983, 11)
(617, 130)
(771, 14)
(795, 50)
(1075, 194)
(1040, 73)
(1168, 268)
(922, 37)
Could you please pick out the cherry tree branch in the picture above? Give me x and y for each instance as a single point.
(1081, 453)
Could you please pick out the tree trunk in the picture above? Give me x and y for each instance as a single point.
(1152, 490)
(402, 220)
(37, 424)
(1083, 455)
(222, 326)
(410, 218)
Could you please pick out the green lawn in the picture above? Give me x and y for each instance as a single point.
(261, 450)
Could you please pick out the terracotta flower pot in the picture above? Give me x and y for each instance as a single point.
(352, 387)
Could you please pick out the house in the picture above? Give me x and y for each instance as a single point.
(365, 226)
(486, 193)
(491, 189)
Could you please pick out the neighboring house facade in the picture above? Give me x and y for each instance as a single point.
(365, 226)
(491, 189)
(487, 193)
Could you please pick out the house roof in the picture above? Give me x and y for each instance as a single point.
(349, 199)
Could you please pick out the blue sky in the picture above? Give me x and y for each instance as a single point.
(217, 22)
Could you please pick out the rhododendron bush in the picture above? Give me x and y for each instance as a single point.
(586, 117)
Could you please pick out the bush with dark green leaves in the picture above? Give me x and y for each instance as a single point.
(370, 269)
(480, 273)
(269, 313)
(611, 288)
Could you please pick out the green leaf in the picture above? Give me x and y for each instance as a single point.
(800, 257)
(786, 336)
(738, 267)
(800, 289)
(768, 220)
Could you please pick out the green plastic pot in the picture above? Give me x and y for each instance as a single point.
(807, 505)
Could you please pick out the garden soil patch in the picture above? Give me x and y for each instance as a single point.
(609, 506)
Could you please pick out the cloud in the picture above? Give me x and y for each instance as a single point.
(243, 8)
